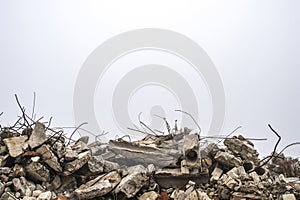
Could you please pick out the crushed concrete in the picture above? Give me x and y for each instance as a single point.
(37, 163)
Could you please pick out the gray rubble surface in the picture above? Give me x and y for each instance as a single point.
(38, 163)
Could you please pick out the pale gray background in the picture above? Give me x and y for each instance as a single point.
(255, 46)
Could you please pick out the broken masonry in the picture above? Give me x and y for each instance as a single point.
(37, 163)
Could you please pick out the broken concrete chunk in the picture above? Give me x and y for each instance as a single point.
(79, 147)
(167, 178)
(150, 169)
(250, 187)
(240, 146)
(98, 165)
(297, 187)
(254, 177)
(4, 178)
(237, 173)
(230, 182)
(135, 153)
(8, 196)
(35, 159)
(84, 139)
(56, 182)
(49, 158)
(228, 159)
(197, 195)
(184, 168)
(133, 182)
(209, 151)
(4, 170)
(288, 197)
(2, 187)
(38, 135)
(110, 166)
(30, 186)
(149, 196)
(18, 171)
(216, 174)
(16, 145)
(45, 196)
(38, 172)
(73, 166)
(99, 186)
(36, 193)
(18, 186)
(3, 160)
(3, 149)
(191, 150)
(224, 192)
(190, 187)
(178, 195)
(246, 196)
(281, 179)
(59, 148)
(95, 148)
(70, 154)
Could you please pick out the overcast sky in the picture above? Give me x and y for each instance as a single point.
(253, 44)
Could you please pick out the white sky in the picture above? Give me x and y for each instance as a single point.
(254, 44)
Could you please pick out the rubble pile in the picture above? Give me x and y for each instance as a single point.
(37, 165)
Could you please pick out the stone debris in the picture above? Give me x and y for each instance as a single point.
(288, 197)
(37, 172)
(73, 166)
(38, 163)
(99, 186)
(16, 145)
(49, 158)
(242, 147)
(38, 135)
(133, 181)
(149, 196)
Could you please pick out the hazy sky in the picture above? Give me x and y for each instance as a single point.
(254, 45)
